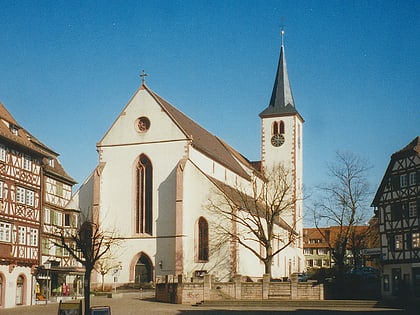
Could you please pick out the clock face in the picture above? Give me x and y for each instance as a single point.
(277, 140)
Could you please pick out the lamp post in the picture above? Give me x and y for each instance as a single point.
(47, 267)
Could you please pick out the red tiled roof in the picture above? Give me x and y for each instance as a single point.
(22, 138)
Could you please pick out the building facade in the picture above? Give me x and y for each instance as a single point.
(157, 171)
(396, 202)
(58, 274)
(24, 177)
(318, 243)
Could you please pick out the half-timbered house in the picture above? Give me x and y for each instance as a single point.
(63, 275)
(21, 196)
(26, 180)
(397, 202)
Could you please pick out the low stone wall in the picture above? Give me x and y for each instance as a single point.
(180, 292)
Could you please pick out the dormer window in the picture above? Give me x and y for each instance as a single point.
(14, 129)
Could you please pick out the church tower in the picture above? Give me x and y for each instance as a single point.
(282, 133)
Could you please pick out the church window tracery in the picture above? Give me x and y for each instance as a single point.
(144, 194)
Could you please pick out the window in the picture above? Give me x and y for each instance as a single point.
(27, 162)
(281, 127)
(412, 209)
(58, 251)
(412, 179)
(386, 282)
(14, 129)
(33, 237)
(45, 247)
(143, 124)
(22, 235)
(1, 189)
(56, 218)
(278, 127)
(307, 251)
(203, 240)
(415, 240)
(67, 219)
(2, 152)
(322, 251)
(29, 198)
(275, 128)
(144, 196)
(403, 180)
(5, 232)
(47, 216)
(315, 241)
(25, 196)
(20, 195)
(398, 242)
(59, 189)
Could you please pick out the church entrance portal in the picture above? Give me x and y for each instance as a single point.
(143, 271)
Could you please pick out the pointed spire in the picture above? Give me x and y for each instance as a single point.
(281, 101)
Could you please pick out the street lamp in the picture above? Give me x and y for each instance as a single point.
(47, 266)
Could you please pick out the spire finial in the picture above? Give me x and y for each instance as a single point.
(143, 76)
(282, 30)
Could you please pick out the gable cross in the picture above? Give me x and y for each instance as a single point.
(143, 76)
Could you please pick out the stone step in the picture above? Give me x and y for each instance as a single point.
(301, 303)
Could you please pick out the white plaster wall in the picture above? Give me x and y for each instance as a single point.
(9, 285)
(123, 130)
(120, 150)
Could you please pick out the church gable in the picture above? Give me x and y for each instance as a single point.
(142, 121)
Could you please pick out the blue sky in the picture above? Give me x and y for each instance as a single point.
(69, 67)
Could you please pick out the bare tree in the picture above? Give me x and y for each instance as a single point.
(88, 246)
(257, 217)
(105, 265)
(343, 202)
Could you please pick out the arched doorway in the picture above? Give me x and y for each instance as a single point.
(143, 270)
(20, 282)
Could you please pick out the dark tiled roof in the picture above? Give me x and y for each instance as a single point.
(203, 140)
(281, 101)
(410, 149)
(413, 148)
(23, 138)
(57, 170)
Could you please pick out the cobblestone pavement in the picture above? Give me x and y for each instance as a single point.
(136, 303)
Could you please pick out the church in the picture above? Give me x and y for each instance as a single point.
(157, 170)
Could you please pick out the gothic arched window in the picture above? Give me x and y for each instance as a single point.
(203, 239)
(275, 128)
(281, 127)
(144, 196)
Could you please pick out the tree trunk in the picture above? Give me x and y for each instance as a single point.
(267, 265)
(87, 290)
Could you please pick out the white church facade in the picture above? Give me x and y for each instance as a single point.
(156, 173)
